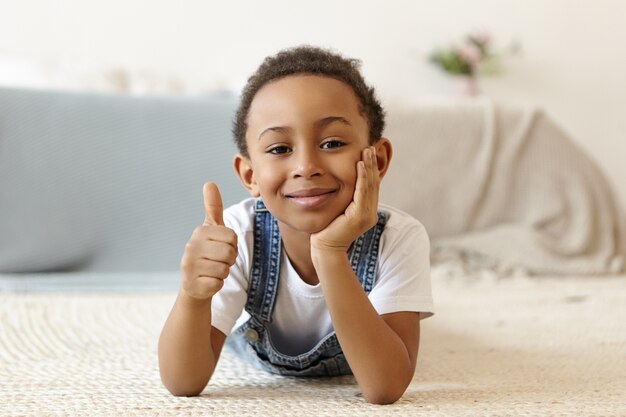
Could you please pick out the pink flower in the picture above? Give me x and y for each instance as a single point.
(470, 53)
(481, 36)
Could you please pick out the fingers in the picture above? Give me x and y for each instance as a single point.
(373, 174)
(199, 267)
(215, 233)
(212, 250)
(213, 207)
(204, 266)
(210, 269)
(368, 178)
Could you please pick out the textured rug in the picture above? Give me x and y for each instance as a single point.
(515, 346)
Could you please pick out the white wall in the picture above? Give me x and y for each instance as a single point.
(573, 63)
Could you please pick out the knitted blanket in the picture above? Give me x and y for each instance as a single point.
(504, 186)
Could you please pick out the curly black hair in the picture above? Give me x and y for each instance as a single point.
(307, 59)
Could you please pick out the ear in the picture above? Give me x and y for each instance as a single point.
(243, 168)
(384, 151)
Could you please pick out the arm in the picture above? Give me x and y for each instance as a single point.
(189, 346)
(381, 350)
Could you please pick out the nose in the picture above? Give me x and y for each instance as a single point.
(307, 164)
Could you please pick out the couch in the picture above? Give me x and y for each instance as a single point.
(112, 183)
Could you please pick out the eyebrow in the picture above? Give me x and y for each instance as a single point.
(331, 119)
(318, 124)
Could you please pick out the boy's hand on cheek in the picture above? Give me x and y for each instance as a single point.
(210, 252)
(360, 215)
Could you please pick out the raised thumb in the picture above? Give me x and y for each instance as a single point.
(213, 207)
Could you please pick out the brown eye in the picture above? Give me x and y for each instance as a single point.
(333, 143)
(278, 150)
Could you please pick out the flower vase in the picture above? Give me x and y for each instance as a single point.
(468, 86)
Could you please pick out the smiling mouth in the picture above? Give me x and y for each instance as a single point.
(311, 198)
(312, 192)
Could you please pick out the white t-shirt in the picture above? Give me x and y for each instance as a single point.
(300, 318)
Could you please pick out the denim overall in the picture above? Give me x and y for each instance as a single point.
(251, 340)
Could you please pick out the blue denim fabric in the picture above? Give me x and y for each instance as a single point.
(251, 340)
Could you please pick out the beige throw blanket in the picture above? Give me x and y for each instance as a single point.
(503, 188)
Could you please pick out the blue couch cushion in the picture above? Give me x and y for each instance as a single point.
(108, 182)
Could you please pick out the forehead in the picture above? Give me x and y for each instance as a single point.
(303, 98)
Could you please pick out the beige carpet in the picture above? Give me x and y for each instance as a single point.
(516, 347)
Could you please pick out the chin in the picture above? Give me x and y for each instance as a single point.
(313, 227)
(308, 226)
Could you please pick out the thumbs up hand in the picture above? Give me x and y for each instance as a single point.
(212, 205)
(210, 251)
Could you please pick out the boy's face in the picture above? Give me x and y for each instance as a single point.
(305, 135)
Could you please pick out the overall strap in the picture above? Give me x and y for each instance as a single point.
(363, 253)
(265, 264)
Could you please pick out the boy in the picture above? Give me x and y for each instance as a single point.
(331, 283)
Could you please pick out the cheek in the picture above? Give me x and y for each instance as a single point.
(267, 179)
(348, 174)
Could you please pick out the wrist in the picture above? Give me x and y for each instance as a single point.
(321, 245)
(189, 301)
(324, 257)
